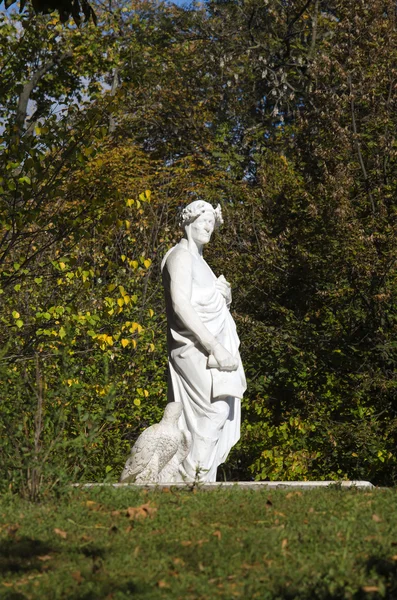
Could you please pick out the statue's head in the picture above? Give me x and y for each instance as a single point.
(199, 219)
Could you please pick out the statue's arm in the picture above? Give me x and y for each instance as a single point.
(179, 266)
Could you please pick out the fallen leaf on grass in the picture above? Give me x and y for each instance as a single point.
(376, 518)
(90, 503)
(186, 543)
(141, 512)
(179, 561)
(162, 584)
(6, 584)
(77, 576)
(268, 562)
(248, 566)
(292, 494)
(136, 551)
(45, 557)
(12, 529)
(284, 544)
(370, 588)
(115, 513)
(217, 534)
(61, 533)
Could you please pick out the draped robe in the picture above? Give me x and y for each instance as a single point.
(211, 398)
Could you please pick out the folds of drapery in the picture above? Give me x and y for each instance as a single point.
(211, 398)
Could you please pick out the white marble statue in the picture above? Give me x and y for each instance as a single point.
(205, 372)
(157, 454)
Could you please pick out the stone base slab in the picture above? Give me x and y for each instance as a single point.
(250, 485)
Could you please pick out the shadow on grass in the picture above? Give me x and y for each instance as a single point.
(108, 590)
(382, 583)
(104, 591)
(22, 555)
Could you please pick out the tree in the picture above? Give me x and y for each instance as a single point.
(65, 8)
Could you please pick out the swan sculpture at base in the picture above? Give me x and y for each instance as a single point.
(157, 454)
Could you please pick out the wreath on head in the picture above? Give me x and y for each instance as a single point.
(197, 208)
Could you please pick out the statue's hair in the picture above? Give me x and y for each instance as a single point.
(197, 208)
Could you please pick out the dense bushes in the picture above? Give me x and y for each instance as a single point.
(283, 113)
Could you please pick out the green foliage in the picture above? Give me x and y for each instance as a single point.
(284, 113)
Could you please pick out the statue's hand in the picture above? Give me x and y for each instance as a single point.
(225, 360)
(224, 287)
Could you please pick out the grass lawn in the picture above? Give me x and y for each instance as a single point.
(116, 544)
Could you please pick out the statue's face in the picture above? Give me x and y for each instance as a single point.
(201, 229)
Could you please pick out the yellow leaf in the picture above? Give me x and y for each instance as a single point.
(127, 224)
(120, 302)
(124, 342)
(137, 402)
(62, 265)
(145, 393)
(129, 202)
(134, 264)
(123, 257)
(148, 193)
(147, 263)
(151, 312)
(134, 343)
(15, 314)
(109, 340)
(126, 299)
(151, 347)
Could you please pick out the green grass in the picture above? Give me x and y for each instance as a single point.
(317, 544)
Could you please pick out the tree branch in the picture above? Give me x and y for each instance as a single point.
(29, 86)
(357, 143)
